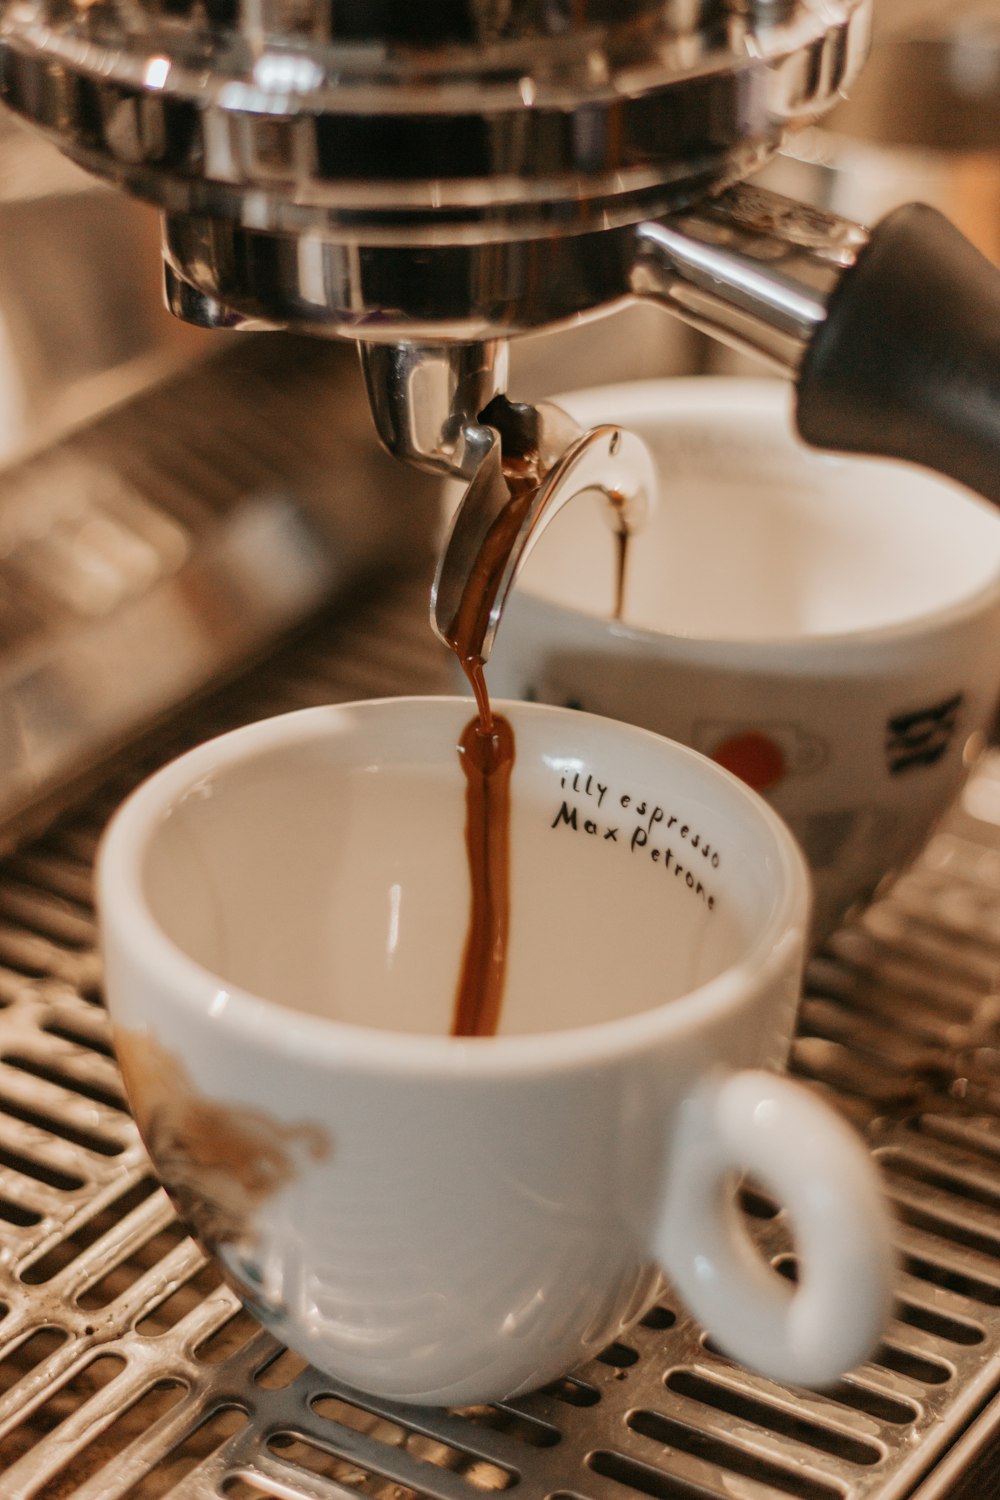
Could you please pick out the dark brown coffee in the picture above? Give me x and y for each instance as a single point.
(623, 533)
(487, 760)
(486, 751)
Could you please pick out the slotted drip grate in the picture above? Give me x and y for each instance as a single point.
(128, 1371)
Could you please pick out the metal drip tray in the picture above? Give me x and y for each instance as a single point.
(129, 1372)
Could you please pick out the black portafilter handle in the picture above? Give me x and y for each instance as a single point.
(907, 361)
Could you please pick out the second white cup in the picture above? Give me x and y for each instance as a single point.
(826, 628)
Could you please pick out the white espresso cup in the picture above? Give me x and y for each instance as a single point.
(826, 627)
(450, 1219)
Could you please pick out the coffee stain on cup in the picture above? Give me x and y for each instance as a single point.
(218, 1161)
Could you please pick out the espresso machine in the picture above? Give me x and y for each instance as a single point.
(432, 181)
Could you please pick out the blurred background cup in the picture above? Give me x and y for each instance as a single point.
(827, 628)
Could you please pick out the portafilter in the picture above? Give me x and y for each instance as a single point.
(432, 178)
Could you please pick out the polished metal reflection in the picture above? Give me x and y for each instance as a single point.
(399, 130)
(462, 175)
(166, 545)
(444, 408)
(221, 274)
(439, 177)
(545, 443)
(431, 182)
(753, 269)
(96, 1274)
(81, 326)
(426, 400)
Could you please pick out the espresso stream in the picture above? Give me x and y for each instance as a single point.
(486, 752)
(622, 534)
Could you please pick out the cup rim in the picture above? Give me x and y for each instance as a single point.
(205, 996)
(677, 398)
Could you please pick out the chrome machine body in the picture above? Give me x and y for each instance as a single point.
(429, 180)
(438, 177)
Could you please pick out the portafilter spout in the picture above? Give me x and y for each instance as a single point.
(426, 400)
(536, 461)
(444, 407)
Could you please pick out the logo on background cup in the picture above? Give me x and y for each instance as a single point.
(762, 755)
(921, 738)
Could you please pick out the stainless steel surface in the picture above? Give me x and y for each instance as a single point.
(394, 126)
(562, 462)
(444, 408)
(128, 1370)
(426, 400)
(399, 174)
(170, 543)
(968, 1470)
(752, 269)
(409, 178)
(170, 503)
(81, 325)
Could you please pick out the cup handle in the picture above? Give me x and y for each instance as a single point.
(807, 1333)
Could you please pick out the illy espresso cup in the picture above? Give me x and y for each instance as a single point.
(450, 1219)
(827, 628)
